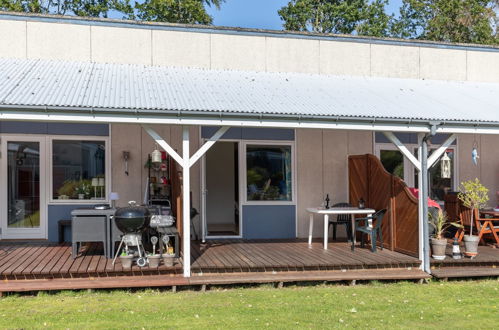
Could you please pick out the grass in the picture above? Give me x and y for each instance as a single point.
(446, 305)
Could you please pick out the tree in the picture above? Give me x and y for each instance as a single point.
(337, 16)
(466, 21)
(176, 11)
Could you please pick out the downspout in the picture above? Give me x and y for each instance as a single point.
(424, 197)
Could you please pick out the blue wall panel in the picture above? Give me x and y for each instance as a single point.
(269, 221)
(60, 212)
(251, 133)
(18, 127)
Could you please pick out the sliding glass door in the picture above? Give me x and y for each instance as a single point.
(23, 187)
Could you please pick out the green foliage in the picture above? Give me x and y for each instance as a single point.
(440, 222)
(176, 11)
(464, 21)
(337, 16)
(473, 195)
(185, 11)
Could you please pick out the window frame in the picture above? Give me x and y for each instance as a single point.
(409, 169)
(107, 164)
(244, 167)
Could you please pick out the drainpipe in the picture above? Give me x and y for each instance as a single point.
(424, 197)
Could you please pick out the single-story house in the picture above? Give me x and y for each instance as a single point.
(261, 123)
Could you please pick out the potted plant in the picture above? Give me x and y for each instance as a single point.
(126, 260)
(440, 222)
(475, 196)
(83, 190)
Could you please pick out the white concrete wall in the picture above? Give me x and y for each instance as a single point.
(229, 51)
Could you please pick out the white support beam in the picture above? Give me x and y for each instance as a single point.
(435, 156)
(403, 149)
(208, 144)
(163, 144)
(186, 204)
(420, 207)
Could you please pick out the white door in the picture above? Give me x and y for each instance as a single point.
(23, 186)
(221, 215)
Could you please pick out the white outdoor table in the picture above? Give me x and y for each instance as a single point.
(332, 211)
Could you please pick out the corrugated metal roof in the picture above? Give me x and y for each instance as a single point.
(28, 83)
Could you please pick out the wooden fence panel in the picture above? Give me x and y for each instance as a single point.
(369, 180)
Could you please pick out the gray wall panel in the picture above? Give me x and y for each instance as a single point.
(269, 221)
(251, 133)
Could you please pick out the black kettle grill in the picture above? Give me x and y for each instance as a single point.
(132, 219)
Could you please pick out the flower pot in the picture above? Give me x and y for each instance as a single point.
(126, 261)
(81, 196)
(154, 260)
(471, 245)
(438, 247)
(168, 259)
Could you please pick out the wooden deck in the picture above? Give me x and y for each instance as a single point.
(43, 266)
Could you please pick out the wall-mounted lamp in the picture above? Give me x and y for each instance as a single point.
(445, 165)
(126, 156)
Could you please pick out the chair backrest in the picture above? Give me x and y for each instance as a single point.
(342, 217)
(464, 215)
(378, 217)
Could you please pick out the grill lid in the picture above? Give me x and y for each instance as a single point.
(132, 211)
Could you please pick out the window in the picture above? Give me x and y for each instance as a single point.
(439, 186)
(393, 161)
(268, 173)
(78, 169)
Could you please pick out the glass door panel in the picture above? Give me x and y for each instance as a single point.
(22, 193)
(23, 184)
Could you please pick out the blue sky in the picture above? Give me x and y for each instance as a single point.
(261, 14)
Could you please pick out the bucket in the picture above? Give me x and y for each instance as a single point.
(168, 259)
(154, 260)
(470, 245)
(126, 261)
(438, 247)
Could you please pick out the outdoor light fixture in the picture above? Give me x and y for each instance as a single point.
(113, 197)
(156, 155)
(445, 164)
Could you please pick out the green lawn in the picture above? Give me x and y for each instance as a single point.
(450, 305)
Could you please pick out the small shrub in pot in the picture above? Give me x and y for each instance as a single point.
(475, 196)
(440, 222)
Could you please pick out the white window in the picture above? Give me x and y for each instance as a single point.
(79, 169)
(268, 172)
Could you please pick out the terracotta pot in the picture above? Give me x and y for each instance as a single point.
(471, 245)
(438, 247)
(154, 260)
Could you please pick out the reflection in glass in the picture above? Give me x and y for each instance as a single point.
(23, 173)
(269, 173)
(393, 161)
(78, 169)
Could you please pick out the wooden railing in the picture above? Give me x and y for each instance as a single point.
(369, 180)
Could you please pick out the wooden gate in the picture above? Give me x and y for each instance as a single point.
(369, 180)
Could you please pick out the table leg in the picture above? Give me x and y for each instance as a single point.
(326, 226)
(352, 217)
(310, 228)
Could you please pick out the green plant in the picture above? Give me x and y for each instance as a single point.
(440, 222)
(474, 195)
(83, 188)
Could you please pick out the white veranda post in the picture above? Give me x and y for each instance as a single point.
(186, 163)
(423, 200)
